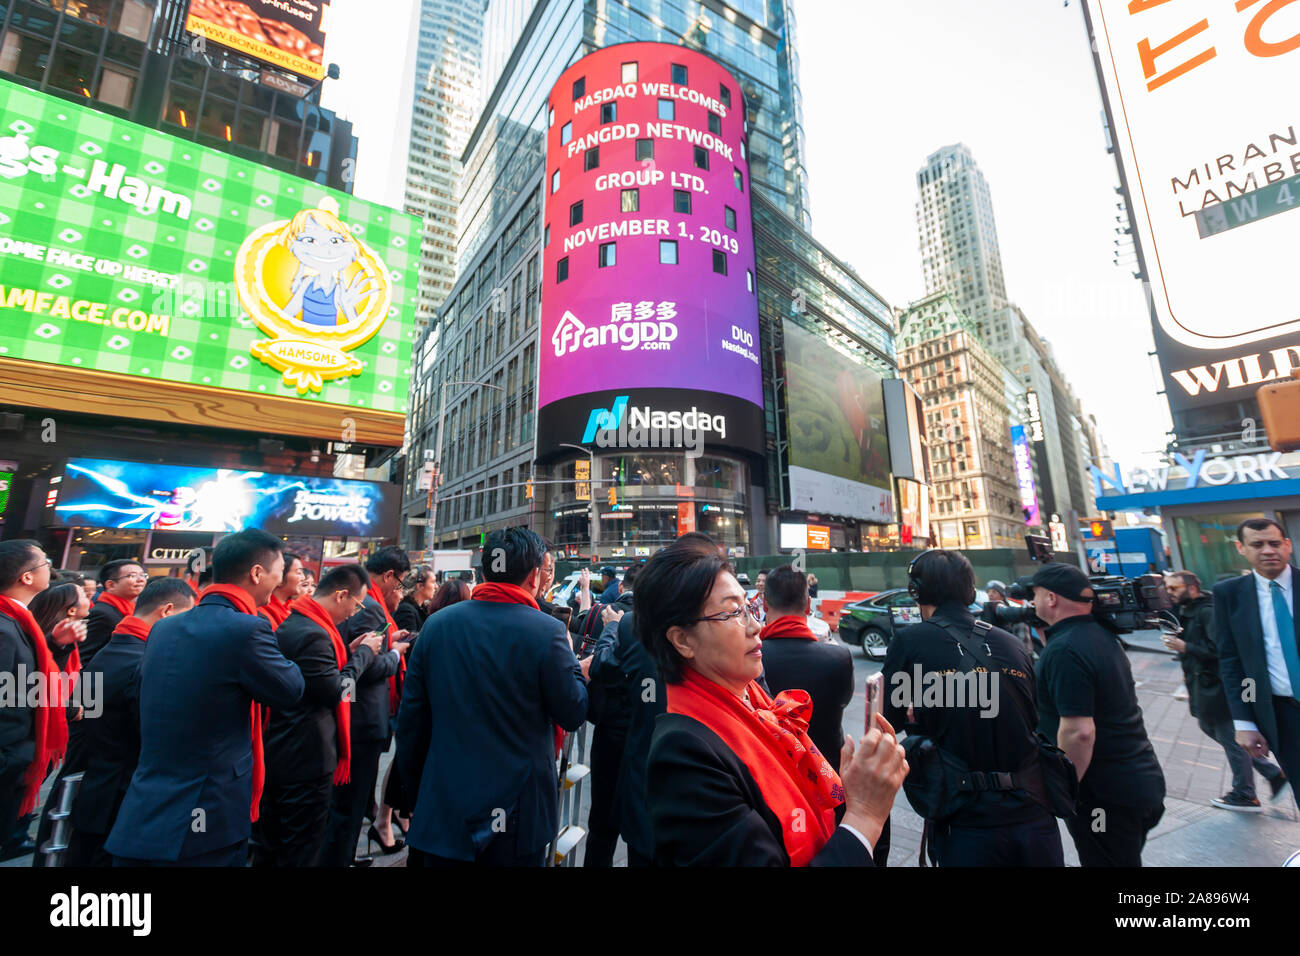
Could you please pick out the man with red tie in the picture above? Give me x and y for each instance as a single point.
(195, 790)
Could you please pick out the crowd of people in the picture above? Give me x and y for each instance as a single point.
(238, 714)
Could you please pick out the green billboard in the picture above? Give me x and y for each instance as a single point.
(128, 251)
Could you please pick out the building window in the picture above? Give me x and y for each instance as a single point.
(566, 133)
(575, 213)
(546, 236)
(738, 178)
(629, 72)
(681, 201)
(579, 87)
(608, 254)
(667, 110)
(550, 118)
(749, 281)
(592, 159)
(645, 149)
(668, 252)
(729, 215)
(701, 158)
(562, 269)
(608, 113)
(631, 200)
(678, 74)
(715, 123)
(724, 94)
(555, 181)
(719, 262)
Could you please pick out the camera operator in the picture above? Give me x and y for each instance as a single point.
(1087, 704)
(997, 595)
(1000, 824)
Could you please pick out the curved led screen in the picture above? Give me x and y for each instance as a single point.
(649, 304)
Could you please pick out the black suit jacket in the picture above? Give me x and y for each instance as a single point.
(17, 741)
(409, 616)
(370, 708)
(100, 625)
(301, 742)
(1240, 636)
(707, 810)
(825, 671)
(485, 687)
(110, 742)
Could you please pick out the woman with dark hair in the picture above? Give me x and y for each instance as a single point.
(452, 591)
(417, 590)
(733, 778)
(62, 602)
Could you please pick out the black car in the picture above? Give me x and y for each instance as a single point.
(870, 623)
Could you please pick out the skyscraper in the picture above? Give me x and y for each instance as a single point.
(447, 81)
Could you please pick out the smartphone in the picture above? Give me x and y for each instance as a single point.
(875, 697)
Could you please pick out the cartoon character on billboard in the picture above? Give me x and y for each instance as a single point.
(317, 289)
(174, 511)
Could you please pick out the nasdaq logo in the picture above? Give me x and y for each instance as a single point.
(602, 419)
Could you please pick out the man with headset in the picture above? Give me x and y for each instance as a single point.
(969, 687)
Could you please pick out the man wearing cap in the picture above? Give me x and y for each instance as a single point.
(1087, 703)
(609, 586)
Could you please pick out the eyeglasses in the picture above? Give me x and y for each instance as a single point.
(47, 563)
(134, 576)
(723, 616)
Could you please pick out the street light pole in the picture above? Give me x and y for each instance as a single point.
(437, 480)
(591, 491)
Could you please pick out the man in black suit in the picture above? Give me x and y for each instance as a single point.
(304, 743)
(371, 734)
(121, 582)
(190, 802)
(110, 740)
(1255, 625)
(793, 659)
(488, 681)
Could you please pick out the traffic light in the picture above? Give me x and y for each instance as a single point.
(528, 489)
(613, 496)
(1279, 407)
(1099, 529)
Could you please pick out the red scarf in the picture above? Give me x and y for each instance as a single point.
(789, 625)
(49, 723)
(394, 682)
(502, 593)
(797, 782)
(243, 602)
(193, 587)
(275, 611)
(134, 627)
(122, 604)
(311, 608)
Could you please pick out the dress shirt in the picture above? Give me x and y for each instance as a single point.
(1278, 678)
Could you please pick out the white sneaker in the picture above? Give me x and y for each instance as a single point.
(1181, 693)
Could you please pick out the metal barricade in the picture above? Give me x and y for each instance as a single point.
(57, 844)
(573, 770)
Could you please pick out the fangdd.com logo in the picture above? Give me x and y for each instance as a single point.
(647, 326)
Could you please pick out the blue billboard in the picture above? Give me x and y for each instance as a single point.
(1025, 475)
(100, 493)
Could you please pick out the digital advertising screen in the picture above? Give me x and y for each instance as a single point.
(1025, 475)
(128, 251)
(839, 448)
(97, 493)
(1203, 116)
(649, 303)
(289, 34)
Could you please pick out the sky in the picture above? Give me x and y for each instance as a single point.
(885, 83)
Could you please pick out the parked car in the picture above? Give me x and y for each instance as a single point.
(870, 623)
(566, 591)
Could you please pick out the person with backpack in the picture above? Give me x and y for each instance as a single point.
(964, 692)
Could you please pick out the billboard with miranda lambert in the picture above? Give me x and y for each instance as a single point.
(649, 303)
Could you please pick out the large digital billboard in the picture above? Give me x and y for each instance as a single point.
(1201, 99)
(1025, 475)
(289, 34)
(128, 251)
(839, 447)
(649, 303)
(97, 493)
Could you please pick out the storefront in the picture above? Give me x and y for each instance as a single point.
(1202, 497)
(100, 510)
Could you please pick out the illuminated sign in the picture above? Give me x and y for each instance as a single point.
(129, 251)
(1199, 477)
(1035, 416)
(6, 477)
(582, 479)
(819, 537)
(289, 34)
(1025, 475)
(649, 312)
(1215, 203)
(121, 494)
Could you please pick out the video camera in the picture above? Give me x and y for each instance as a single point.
(1120, 604)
